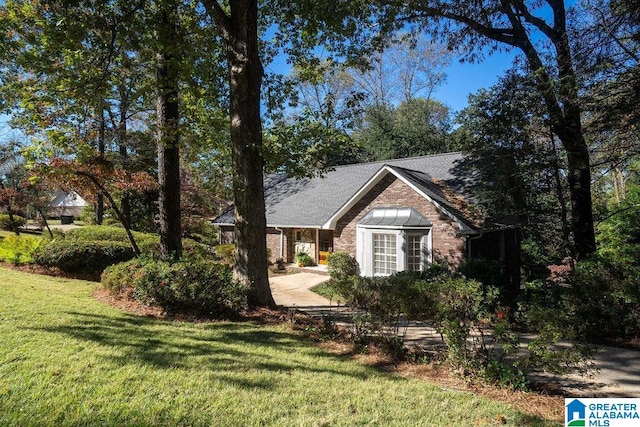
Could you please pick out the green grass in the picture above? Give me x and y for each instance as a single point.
(327, 289)
(67, 359)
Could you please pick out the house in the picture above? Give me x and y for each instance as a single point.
(391, 216)
(66, 204)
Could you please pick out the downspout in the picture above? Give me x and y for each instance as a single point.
(281, 242)
(477, 236)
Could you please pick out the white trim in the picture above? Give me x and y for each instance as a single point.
(333, 220)
(365, 253)
(386, 169)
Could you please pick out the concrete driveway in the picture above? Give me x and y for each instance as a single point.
(618, 370)
(293, 290)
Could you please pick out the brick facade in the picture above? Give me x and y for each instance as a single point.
(449, 246)
(273, 244)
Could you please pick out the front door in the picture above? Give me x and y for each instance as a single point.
(325, 245)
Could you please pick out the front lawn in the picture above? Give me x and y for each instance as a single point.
(68, 359)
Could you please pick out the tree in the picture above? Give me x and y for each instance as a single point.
(505, 133)
(512, 24)
(312, 135)
(607, 43)
(12, 174)
(410, 67)
(168, 62)
(415, 128)
(238, 29)
(98, 177)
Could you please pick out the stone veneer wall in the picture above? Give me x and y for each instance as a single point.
(449, 246)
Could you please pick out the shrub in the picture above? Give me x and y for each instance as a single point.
(607, 298)
(188, 284)
(341, 265)
(474, 326)
(148, 243)
(226, 252)
(304, 259)
(88, 216)
(78, 256)
(18, 249)
(7, 224)
(194, 249)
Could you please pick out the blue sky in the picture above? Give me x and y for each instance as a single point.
(464, 79)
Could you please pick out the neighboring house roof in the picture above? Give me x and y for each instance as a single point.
(320, 201)
(67, 199)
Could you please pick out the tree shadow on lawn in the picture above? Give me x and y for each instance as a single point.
(220, 347)
(243, 355)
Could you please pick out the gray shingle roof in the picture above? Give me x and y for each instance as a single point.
(310, 202)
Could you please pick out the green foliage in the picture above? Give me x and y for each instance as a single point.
(80, 256)
(487, 272)
(341, 265)
(188, 284)
(306, 148)
(7, 224)
(88, 216)
(619, 233)
(607, 295)
(226, 252)
(148, 243)
(304, 259)
(415, 128)
(475, 328)
(18, 249)
(597, 301)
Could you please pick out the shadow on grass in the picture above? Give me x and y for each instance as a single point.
(243, 355)
(226, 349)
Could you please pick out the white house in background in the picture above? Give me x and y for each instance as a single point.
(67, 204)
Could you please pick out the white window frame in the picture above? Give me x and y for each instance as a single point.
(389, 261)
(365, 253)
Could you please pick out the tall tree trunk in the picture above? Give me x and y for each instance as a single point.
(557, 84)
(101, 152)
(240, 33)
(569, 250)
(167, 72)
(122, 148)
(579, 177)
(245, 76)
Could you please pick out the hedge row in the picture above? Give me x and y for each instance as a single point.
(77, 256)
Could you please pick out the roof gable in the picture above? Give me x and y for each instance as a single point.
(420, 182)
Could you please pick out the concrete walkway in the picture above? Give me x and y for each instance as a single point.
(618, 373)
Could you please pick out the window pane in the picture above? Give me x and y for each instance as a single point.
(384, 254)
(414, 252)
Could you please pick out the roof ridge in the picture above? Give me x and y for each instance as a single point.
(386, 162)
